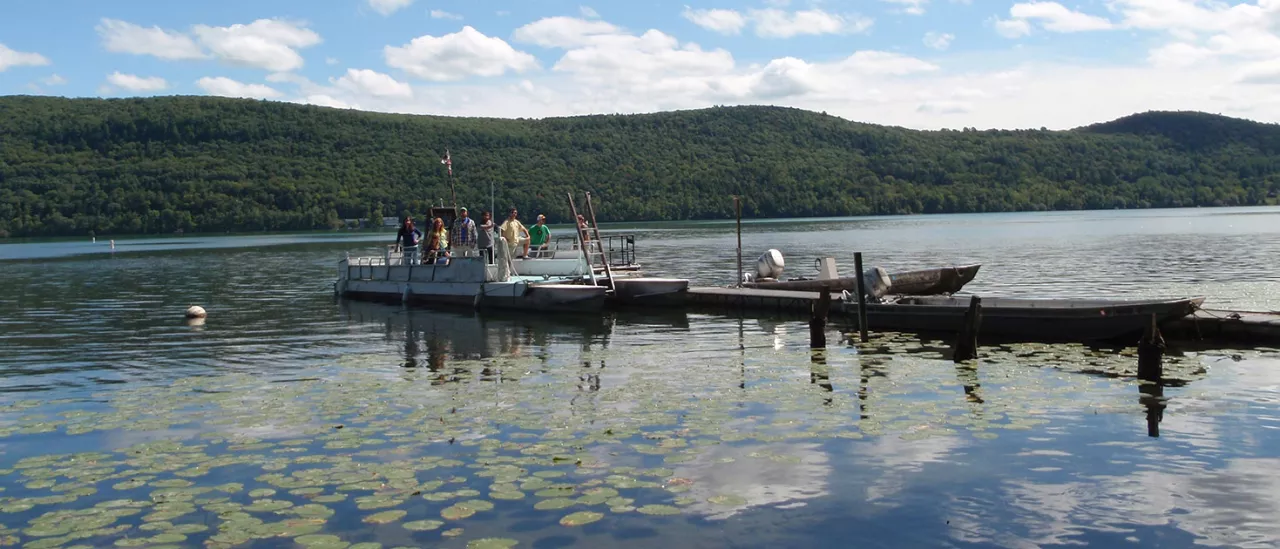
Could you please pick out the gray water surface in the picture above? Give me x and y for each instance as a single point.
(731, 430)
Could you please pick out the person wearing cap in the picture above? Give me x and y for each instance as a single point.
(484, 236)
(540, 236)
(464, 233)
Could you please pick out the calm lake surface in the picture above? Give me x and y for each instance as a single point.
(291, 418)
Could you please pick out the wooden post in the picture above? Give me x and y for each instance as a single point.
(1151, 354)
(862, 297)
(737, 207)
(1152, 398)
(818, 320)
(966, 347)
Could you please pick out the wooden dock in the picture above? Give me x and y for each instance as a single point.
(1249, 328)
(1206, 325)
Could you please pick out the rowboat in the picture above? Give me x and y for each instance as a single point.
(1071, 320)
(942, 280)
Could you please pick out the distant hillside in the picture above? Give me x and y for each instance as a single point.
(1196, 130)
(70, 166)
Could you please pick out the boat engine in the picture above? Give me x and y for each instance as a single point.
(769, 265)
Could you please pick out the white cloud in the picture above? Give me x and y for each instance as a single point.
(135, 83)
(945, 107)
(441, 14)
(388, 7)
(716, 20)
(227, 87)
(603, 68)
(1057, 18)
(267, 44)
(776, 23)
(913, 7)
(331, 61)
(588, 12)
(1012, 28)
(455, 56)
(322, 100)
(564, 32)
(938, 40)
(11, 58)
(124, 37)
(888, 63)
(53, 80)
(376, 84)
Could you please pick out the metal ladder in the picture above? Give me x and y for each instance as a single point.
(595, 248)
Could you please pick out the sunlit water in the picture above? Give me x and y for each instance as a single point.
(290, 414)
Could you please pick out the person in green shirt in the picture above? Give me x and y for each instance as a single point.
(540, 236)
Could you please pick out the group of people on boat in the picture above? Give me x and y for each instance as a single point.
(467, 237)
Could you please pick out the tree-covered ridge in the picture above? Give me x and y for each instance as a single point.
(157, 165)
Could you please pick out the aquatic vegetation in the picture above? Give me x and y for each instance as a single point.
(426, 456)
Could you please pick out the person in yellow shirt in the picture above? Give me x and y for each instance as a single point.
(517, 236)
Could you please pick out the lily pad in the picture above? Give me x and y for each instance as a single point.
(580, 518)
(456, 512)
(728, 500)
(452, 533)
(659, 510)
(492, 543)
(386, 517)
(321, 541)
(261, 493)
(422, 525)
(554, 503)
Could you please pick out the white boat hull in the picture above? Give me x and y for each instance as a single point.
(464, 281)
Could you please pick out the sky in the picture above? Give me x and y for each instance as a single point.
(924, 64)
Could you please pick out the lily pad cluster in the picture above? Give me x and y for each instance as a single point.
(233, 459)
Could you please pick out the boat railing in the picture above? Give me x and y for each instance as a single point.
(619, 249)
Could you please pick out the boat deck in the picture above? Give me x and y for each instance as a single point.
(1206, 325)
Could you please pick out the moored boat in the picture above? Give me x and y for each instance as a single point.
(937, 281)
(1074, 320)
(468, 281)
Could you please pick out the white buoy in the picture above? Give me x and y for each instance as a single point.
(113, 244)
(196, 311)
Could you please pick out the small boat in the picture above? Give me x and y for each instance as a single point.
(943, 280)
(1067, 320)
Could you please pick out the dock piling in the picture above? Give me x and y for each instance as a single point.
(818, 320)
(737, 208)
(1151, 354)
(966, 347)
(862, 297)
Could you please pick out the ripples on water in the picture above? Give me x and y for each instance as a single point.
(889, 445)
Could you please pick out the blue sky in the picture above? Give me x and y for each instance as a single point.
(916, 63)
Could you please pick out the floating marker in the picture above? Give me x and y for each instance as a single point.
(196, 311)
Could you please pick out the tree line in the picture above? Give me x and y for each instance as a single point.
(204, 164)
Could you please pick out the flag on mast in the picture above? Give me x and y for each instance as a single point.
(447, 161)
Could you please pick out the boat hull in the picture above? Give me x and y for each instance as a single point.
(649, 290)
(1027, 319)
(944, 280)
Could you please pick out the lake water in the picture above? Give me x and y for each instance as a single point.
(290, 416)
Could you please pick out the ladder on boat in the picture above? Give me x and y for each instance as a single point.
(594, 247)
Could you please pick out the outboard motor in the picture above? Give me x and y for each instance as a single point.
(876, 282)
(769, 265)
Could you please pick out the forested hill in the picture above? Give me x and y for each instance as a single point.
(71, 166)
